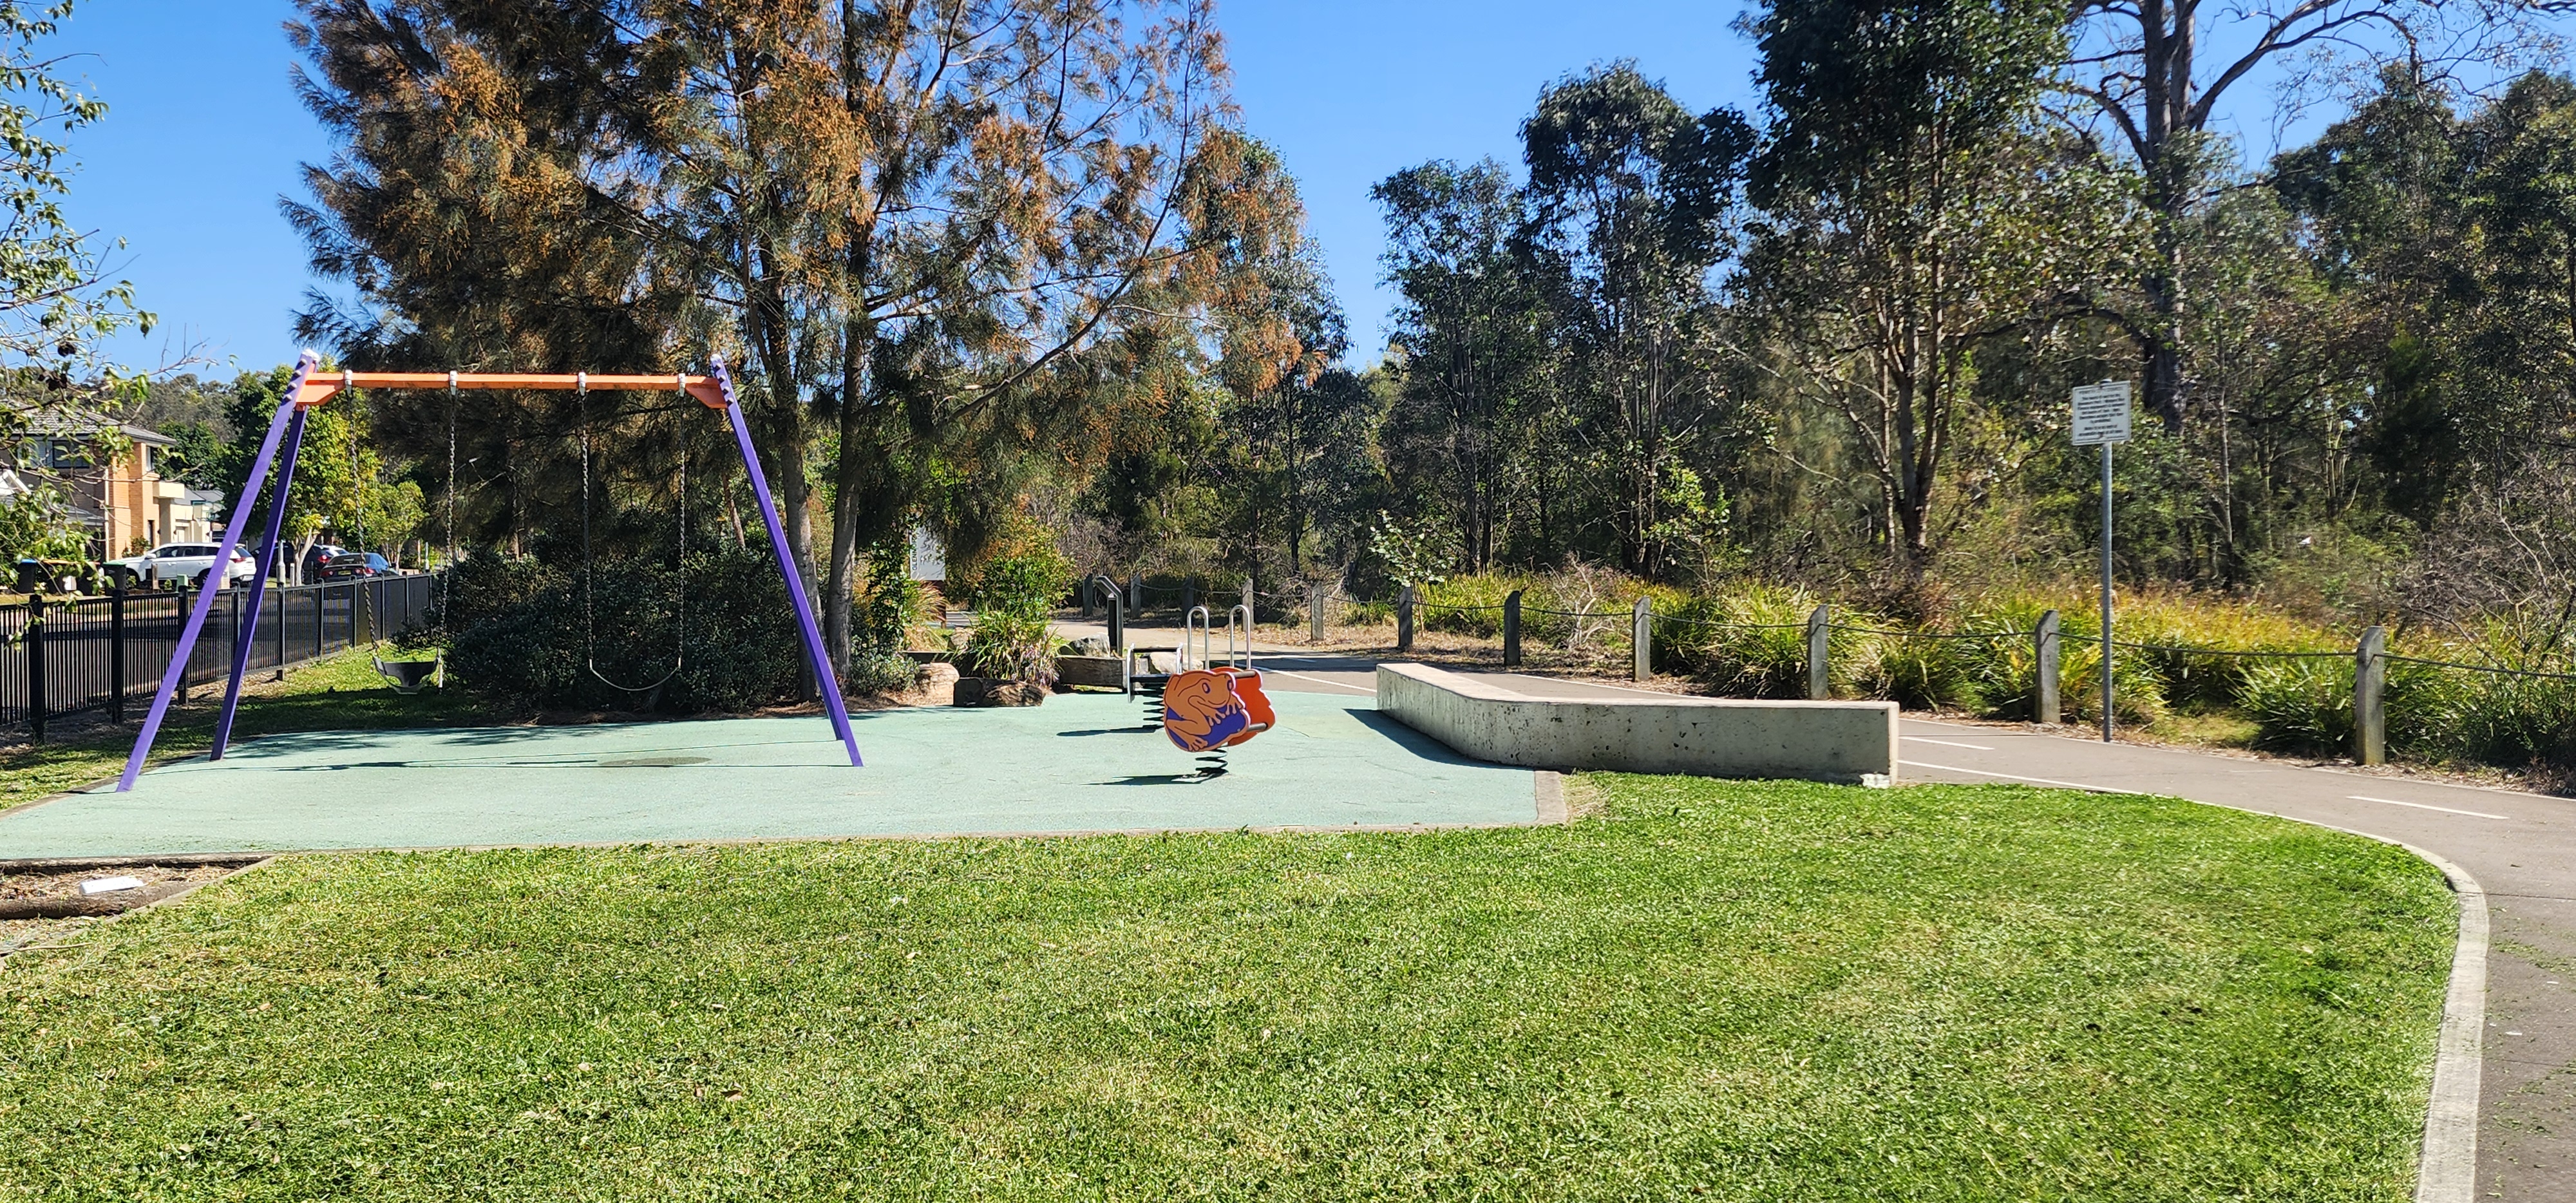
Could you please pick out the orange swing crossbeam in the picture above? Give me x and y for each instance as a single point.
(319, 387)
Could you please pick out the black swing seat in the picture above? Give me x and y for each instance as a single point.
(408, 676)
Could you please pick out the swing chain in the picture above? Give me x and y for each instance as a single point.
(447, 583)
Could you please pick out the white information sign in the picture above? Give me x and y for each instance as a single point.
(929, 563)
(2101, 413)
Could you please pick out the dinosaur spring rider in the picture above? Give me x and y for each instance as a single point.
(1203, 706)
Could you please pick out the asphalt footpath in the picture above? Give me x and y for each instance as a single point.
(2521, 847)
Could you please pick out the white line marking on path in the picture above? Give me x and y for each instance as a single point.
(2099, 789)
(2474, 814)
(1320, 681)
(1947, 743)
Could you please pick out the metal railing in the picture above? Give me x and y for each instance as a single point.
(106, 654)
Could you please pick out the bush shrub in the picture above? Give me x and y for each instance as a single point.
(520, 631)
(1014, 599)
(2494, 718)
(2302, 705)
(889, 603)
(880, 672)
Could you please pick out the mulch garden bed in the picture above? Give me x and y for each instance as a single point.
(41, 900)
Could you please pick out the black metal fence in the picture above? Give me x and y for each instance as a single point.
(107, 654)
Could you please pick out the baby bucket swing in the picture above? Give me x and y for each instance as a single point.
(310, 388)
(408, 677)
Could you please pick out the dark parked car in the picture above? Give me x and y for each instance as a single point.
(319, 557)
(354, 564)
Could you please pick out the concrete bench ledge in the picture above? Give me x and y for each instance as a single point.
(1848, 743)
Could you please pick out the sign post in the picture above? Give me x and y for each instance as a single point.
(2101, 419)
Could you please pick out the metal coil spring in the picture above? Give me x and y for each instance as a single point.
(1151, 692)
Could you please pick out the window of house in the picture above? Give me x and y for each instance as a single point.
(61, 453)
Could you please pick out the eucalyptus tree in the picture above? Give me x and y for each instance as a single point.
(1226, 420)
(1631, 204)
(2156, 72)
(1910, 214)
(1471, 431)
(2378, 197)
(1296, 425)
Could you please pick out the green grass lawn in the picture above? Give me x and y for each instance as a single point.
(338, 693)
(1715, 990)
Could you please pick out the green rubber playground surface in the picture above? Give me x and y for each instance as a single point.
(1080, 762)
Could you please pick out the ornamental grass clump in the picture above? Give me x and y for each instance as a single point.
(2302, 705)
(1466, 605)
(2002, 667)
(2490, 717)
(1985, 661)
(2198, 681)
(1752, 642)
(2138, 691)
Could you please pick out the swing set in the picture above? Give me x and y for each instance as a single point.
(310, 388)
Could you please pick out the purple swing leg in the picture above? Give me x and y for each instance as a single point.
(823, 676)
(178, 669)
(266, 559)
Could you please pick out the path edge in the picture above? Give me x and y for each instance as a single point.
(2448, 1169)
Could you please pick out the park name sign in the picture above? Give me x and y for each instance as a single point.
(2099, 417)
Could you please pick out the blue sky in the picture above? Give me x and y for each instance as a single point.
(204, 130)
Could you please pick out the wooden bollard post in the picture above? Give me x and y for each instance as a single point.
(1820, 675)
(2369, 684)
(1512, 629)
(1641, 637)
(1404, 620)
(2043, 695)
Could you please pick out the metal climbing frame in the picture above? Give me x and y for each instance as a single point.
(311, 388)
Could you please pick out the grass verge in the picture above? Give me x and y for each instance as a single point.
(1719, 990)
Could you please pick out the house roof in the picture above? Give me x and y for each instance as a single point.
(82, 424)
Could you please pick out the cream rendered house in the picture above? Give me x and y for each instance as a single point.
(109, 471)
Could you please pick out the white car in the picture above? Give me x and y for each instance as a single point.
(175, 563)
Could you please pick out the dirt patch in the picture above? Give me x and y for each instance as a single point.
(40, 887)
